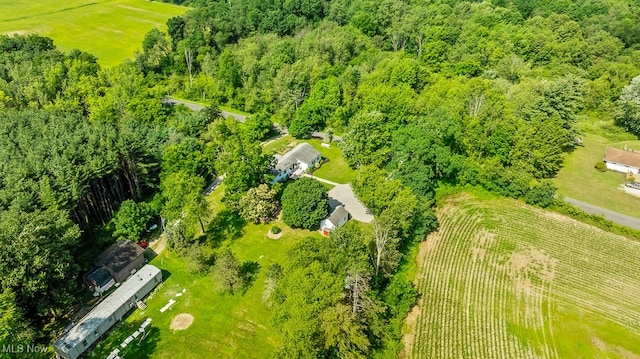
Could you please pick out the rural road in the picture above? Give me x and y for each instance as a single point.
(615, 217)
(243, 118)
(196, 107)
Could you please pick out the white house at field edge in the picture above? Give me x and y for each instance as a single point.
(296, 161)
(622, 160)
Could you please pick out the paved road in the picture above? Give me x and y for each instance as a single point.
(213, 185)
(196, 107)
(615, 217)
(243, 118)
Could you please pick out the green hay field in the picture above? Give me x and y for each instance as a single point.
(501, 279)
(112, 30)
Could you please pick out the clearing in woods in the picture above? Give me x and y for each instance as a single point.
(501, 279)
(112, 30)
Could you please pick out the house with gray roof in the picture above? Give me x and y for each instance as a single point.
(338, 218)
(296, 161)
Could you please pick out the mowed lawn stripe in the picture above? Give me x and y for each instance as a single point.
(112, 30)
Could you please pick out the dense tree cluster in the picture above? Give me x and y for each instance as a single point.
(341, 297)
(305, 204)
(448, 91)
(628, 111)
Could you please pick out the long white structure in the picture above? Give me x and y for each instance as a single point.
(622, 160)
(111, 310)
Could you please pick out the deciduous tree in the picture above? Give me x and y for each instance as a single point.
(259, 204)
(305, 203)
(131, 220)
(627, 115)
(226, 271)
(183, 198)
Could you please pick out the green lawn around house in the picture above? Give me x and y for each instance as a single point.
(112, 30)
(280, 145)
(335, 168)
(580, 180)
(225, 325)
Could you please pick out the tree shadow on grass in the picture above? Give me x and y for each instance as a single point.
(226, 225)
(249, 271)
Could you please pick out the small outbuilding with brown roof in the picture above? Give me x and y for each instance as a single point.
(622, 160)
(115, 265)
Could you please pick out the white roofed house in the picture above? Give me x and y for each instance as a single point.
(296, 161)
(338, 218)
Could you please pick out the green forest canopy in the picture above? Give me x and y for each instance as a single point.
(443, 92)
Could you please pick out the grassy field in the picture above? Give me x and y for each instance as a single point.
(504, 280)
(112, 30)
(225, 326)
(580, 180)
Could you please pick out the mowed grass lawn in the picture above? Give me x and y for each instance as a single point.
(225, 325)
(334, 168)
(501, 279)
(112, 30)
(580, 180)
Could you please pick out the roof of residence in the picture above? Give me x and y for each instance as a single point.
(624, 157)
(303, 152)
(119, 255)
(90, 322)
(337, 215)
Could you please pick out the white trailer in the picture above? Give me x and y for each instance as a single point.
(111, 310)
